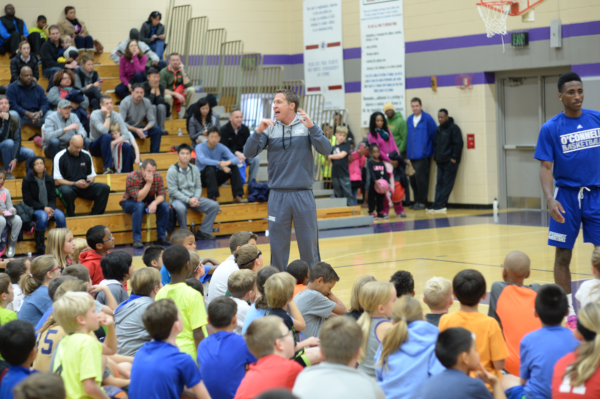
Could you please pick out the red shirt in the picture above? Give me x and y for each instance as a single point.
(135, 182)
(270, 372)
(562, 389)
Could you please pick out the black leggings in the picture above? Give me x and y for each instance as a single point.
(375, 198)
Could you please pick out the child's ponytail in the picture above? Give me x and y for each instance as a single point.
(588, 353)
(39, 268)
(406, 310)
(371, 296)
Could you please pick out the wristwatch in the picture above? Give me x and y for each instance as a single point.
(74, 184)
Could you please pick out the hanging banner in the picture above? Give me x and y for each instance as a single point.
(382, 56)
(323, 51)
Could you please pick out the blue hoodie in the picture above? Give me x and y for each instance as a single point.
(23, 98)
(419, 140)
(411, 366)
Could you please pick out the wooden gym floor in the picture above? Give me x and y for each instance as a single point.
(428, 245)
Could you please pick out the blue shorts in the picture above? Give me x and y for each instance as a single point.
(581, 207)
(517, 392)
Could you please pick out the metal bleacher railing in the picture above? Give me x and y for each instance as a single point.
(176, 35)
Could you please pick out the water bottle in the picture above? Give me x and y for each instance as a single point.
(179, 132)
(193, 227)
(29, 254)
(266, 233)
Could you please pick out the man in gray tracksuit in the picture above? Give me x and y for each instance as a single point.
(290, 176)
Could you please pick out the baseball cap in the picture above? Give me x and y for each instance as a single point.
(64, 104)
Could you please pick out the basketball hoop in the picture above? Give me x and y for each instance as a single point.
(494, 14)
(464, 81)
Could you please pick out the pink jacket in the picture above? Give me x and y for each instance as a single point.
(386, 147)
(129, 68)
(356, 166)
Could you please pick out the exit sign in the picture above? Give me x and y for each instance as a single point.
(519, 39)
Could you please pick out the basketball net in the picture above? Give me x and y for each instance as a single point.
(494, 15)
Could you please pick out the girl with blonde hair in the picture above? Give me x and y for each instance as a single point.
(35, 288)
(377, 299)
(355, 309)
(81, 245)
(61, 244)
(406, 358)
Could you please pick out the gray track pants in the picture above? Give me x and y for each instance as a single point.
(299, 207)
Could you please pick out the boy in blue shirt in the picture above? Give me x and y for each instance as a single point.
(17, 347)
(541, 349)
(223, 357)
(568, 148)
(159, 369)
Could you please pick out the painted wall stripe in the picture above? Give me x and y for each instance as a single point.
(586, 69)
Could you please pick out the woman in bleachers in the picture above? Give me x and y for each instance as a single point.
(153, 33)
(62, 84)
(132, 69)
(201, 120)
(39, 192)
(24, 58)
(77, 30)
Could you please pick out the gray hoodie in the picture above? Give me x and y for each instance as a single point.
(131, 333)
(97, 128)
(54, 125)
(183, 186)
(291, 162)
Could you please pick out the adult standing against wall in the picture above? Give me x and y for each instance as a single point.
(397, 126)
(77, 30)
(448, 145)
(234, 135)
(421, 130)
(290, 139)
(153, 33)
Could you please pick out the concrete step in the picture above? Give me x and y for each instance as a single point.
(340, 223)
(331, 203)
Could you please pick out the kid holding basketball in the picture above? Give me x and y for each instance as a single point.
(378, 183)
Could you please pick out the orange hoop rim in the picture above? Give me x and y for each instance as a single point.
(515, 9)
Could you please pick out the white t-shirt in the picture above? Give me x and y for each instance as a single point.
(242, 309)
(588, 292)
(218, 282)
(416, 119)
(15, 305)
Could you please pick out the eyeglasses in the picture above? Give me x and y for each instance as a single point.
(290, 333)
(56, 268)
(109, 239)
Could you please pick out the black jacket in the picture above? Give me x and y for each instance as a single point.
(31, 191)
(235, 142)
(14, 133)
(17, 63)
(49, 55)
(448, 143)
(154, 99)
(146, 32)
(9, 24)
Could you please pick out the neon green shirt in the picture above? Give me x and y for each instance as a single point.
(38, 30)
(7, 315)
(78, 358)
(193, 313)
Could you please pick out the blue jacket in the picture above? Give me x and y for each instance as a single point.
(419, 140)
(207, 157)
(411, 366)
(22, 98)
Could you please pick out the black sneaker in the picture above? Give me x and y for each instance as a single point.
(162, 241)
(138, 244)
(200, 235)
(419, 207)
(165, 133)
(107, 171)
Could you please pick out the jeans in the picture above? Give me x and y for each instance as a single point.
(254, 164)
(420, 180)
(155, 136)
(94, 95)
(158, 46)
(6, 151)
(53, 147)
(84, 43)
(25, 120)
(41, 219)
(97, 192)
(212, 178)
(49, 73)
(137, 209)
(446, 176)
(122, 90)
(209, 207)
(101, 148)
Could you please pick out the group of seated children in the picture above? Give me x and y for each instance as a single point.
(267, 331)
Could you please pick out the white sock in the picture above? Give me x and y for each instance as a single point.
(571, 309)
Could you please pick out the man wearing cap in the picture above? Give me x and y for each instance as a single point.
(60, 126)
(28, 99)
(397, 126)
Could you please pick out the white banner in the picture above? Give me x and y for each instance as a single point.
(382, 58)
(323, 51)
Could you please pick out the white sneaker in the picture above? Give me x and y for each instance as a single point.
(429, 210)
(443, 211)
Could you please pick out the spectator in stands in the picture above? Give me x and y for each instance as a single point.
(75, 28)
(155, 92)
(88, 81)
(121, 146)
(153, 33)
(234, 135)
(74, 176)
(28, 99)
(201, 120)
(217, 165)
(63, 83)
(39, 192)
(11, 149)
(100, 122)
(134, 109)
(134, 34)
(49, 55)
(60, 127)
(41, 29)
(24, 58)
(145, 193)
(419, 148)
(131, 69)
(76, 98)
(13, 31)
(177, 84)
(185, 191)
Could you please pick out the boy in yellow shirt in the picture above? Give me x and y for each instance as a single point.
(7, 295)
(176, 260)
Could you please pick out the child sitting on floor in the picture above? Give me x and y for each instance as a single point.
(260, 305)
(589, 291)
(437, 294)
(117, 268)
(153, 256)
(403, 282)
(100, 240)
(356, 310)
(6, 297)
(17, 347)
(41, 385)
(15, 269)
(81, 246)
(299, 270)
(223, 357)
(242, 288)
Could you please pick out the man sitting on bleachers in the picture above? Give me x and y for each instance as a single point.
(28, 99)
(60, 126)
(155, 92)
(145, 193)
(100, 122)
(134, 34)
(234, 135)
(176, 82)
(49, 56)
(13, 31)
(185, 190)
(134, 109)
(74, 176)
(10, 141)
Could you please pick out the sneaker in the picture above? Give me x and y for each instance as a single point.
(572, 322)
(201, 236)
(419, 207)
(403, 215)
(9, 176)
(386, 216)
(374, 215)
(441, 210)
(165, 133)
(107, 171)
(412, 206)
(138, 244)
(239, 200)
(162, 241)
(429, 210)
